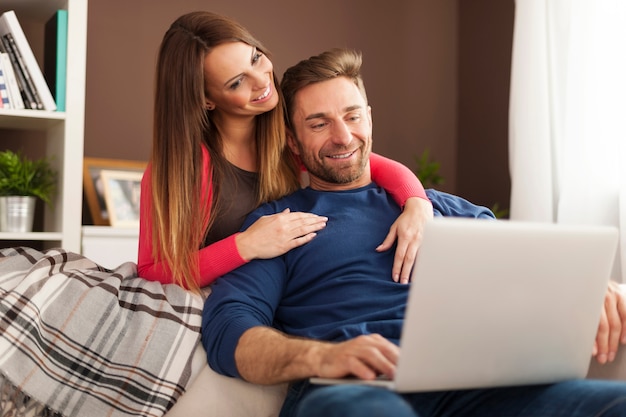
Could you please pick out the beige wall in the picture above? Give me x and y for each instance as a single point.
(411, 57)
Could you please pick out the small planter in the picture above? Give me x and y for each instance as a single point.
(22, 183)
(17, 214)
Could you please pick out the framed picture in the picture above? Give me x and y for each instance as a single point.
(122, 190)
(94, 186)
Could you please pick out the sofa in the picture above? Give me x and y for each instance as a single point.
(213, 395)
(80, 339)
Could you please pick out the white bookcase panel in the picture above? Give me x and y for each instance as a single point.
(64, 131)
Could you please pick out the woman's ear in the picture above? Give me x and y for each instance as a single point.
(209, 106)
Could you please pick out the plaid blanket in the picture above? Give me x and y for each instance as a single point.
(77, 339)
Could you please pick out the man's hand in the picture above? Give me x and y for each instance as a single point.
(267, 356)
(408, 229)
(612, 328)
(364, 357)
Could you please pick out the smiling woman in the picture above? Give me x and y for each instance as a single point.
(212, 130)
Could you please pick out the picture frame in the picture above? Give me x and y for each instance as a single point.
(94, 187)
(122, 193)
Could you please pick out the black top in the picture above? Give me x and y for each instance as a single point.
(237, 200)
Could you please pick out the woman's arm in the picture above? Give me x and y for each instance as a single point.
(396, 179)
(407, 190)
(268, 237)
(215, 260)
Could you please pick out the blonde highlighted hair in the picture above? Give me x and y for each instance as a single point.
(182, 126)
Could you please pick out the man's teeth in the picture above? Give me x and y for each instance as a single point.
(342, 156)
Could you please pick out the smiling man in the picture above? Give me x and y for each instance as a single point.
(329, 308)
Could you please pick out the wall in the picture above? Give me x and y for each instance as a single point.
(485, 41)
(409, 49)
(437, 74)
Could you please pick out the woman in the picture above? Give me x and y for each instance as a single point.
(219, 150)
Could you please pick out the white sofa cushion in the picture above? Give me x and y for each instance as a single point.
(213, 395)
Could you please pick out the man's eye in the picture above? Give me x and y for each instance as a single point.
(318, 125)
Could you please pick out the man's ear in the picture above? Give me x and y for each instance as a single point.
(291, 142)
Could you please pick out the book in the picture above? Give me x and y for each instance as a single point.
(19, 67)
(15, 97)
(9, 25)
(4, 93)
(55, 56)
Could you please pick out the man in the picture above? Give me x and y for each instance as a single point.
(328, 308)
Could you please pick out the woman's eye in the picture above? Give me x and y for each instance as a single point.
(235, 85)
(256, 57)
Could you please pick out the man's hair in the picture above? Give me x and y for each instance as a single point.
(323, 67)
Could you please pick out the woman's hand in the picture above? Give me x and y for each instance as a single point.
(408, 230)
(277, 234)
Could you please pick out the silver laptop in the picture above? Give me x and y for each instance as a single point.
(501, 303)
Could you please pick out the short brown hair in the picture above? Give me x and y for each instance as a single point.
(325, 66)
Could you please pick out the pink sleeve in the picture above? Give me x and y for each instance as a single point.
(396, 179)
(215, 260)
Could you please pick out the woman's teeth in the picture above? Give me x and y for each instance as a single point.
(265, 94)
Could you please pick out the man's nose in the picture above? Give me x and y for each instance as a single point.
(342, 135)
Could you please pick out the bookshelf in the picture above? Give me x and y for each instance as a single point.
(62, 132)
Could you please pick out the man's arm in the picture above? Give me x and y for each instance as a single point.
(267, 356)
(612, 327)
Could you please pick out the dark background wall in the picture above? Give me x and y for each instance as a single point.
(437, 74)
(484, 67)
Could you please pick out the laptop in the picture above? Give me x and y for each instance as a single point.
(501, 303)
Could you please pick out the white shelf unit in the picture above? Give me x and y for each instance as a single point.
(63, 131)
(110, 246)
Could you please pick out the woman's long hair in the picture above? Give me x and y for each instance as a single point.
(183, 212)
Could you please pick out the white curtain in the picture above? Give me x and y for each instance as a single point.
(567, 117)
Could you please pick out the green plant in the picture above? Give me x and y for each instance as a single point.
(500, 213)
(20, 176)
(427, 170)
(428, 173)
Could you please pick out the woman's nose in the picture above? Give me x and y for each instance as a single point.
(261, 80)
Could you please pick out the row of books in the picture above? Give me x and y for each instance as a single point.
(23, 84)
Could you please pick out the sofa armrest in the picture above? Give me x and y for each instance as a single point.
(210, 394)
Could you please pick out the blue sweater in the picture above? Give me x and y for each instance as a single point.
(333, 288)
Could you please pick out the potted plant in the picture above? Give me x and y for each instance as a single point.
(427, 171)
(22, 182)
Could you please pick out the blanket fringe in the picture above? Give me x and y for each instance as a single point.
(15, 403)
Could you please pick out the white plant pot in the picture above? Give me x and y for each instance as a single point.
(17, 214)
